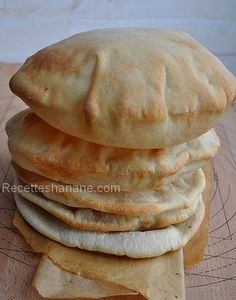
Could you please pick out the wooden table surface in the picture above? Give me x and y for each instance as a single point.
(214, 278)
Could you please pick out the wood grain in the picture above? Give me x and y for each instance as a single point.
(214, 278)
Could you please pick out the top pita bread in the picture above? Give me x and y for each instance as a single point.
(132, 88)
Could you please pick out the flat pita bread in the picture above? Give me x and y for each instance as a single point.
(42, 149)
(113, 86)
(92, 220)
(179, 194)
(132, 244)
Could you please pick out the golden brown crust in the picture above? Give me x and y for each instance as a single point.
(92, 220)
(131, 88)
(44, 150)
(177, 195)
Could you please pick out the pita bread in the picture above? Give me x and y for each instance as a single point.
(113, 86)
(132, 244)
(42, 149)
(177, 195)
(92, 220)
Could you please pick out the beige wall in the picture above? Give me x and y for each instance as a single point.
(28, 25)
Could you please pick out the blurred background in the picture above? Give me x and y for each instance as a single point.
(29, 25)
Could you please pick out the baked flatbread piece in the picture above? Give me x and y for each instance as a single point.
(134, 244)
(179, 194)
(44, 150)
(127, 87)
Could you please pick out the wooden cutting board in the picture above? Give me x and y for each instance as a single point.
(214, 278)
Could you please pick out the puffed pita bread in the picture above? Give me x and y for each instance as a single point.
(53, 282)
(92, 220)
(132, 244)
(176, 195)
(42, 149)
(113, 86)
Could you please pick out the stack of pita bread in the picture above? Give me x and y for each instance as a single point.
(125, 108)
